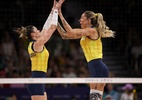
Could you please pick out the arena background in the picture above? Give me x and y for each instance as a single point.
(122, 54)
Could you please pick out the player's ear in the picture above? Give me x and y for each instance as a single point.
(89, 20)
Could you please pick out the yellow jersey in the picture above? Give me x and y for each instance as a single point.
(39, 60)
(92, 48)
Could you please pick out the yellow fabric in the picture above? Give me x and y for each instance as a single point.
(92, 48)
(39, 60)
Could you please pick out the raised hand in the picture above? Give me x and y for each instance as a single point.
(61, 1)
(59, 4)
(54, 5)
(55, 2)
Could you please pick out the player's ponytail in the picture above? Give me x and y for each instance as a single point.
(103, 30)
(98, 22)
(25, 32)
(22, 32)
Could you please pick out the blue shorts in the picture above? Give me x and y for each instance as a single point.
(97, 68)
(37, 89)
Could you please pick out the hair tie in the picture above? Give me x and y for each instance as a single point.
(96, 15)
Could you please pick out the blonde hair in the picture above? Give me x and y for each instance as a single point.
(98, 22)
(22, 32)
(25, 32)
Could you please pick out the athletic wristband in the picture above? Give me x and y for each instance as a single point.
(48, 21)
(55, 17)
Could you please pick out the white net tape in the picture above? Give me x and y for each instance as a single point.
(69, 80)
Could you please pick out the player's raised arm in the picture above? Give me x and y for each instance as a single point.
(75, 33)
(49, 26)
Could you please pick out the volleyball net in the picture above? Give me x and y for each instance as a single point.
(69, 80)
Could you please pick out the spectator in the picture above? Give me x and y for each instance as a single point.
(136, 52)
(8, 47)
(111, 92)
(127, 94)
(109, 97)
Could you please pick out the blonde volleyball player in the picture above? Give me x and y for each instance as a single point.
(37, 51)
(93, 28)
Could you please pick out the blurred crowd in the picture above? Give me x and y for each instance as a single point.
(66, 57)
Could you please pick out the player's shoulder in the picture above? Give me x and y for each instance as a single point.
(91, 30)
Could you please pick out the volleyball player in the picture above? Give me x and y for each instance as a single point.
(93, 28)
(37, 51)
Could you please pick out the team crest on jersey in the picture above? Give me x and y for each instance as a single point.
(32, 55)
